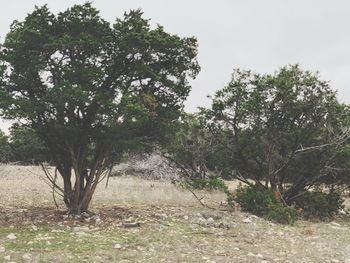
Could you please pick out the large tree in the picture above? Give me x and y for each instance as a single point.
(284, 131)
(88, 88)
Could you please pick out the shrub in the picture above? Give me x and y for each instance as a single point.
(264, 203)
(318, 204)
(210, 182)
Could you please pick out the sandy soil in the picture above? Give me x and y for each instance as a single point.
(170, 226)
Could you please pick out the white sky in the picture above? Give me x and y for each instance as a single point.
(261, 35)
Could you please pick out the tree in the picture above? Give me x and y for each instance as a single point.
(284, 131)
(88, 88)
(26, 146)
(6, 154)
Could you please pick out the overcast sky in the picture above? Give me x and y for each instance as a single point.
(261, 35)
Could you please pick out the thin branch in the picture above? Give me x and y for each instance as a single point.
(51, 179)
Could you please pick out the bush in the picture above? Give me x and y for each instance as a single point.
(264, 203)
(318, 204)
(210, 182)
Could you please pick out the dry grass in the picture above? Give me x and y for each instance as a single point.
(29, 181)
(168, 231)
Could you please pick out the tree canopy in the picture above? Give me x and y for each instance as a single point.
(89, 88)
(286, 131)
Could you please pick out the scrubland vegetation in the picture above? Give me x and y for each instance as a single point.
(260, 175)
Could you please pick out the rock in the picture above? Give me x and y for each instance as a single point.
(179, 214)
(85, 214)
(2, 249)
(236, 248)
(11, 236)
(8, 257)
(35, 228)
(259, 256)
(135, 224)
(82, 234)
(335, 261)
(81, 228)
(210, 220)
(335, 224)
(247, 221)
(164, 216)
(118, 246)
(250, 254)
(222, 225)
(211, 214)
(27, 257)
(342, 212)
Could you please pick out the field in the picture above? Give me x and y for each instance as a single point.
(137, 220)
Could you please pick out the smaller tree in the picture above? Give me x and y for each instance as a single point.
(284, 131)
(193, 151)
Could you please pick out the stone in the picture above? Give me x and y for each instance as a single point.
(27, 257)
(259, 256)
(247, 221)
(342, 212)
(11, 236)
(118, 246)
(8, 257)
(210, 220)
(211, 214)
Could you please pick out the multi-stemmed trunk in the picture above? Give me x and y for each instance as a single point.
(79, 180)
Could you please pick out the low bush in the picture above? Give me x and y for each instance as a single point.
(265, 204)
(210, 182)
(318, 204)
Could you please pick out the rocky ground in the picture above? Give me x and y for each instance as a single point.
(136, 220)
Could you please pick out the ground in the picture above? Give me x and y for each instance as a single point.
(136, 220)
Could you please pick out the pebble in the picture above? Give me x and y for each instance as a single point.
(8, 257)
(335, 261)
(27, 257)
(210, 220)
(118, 246)
(342, 212)
(11, 236)
(259, 256)
(247, 221)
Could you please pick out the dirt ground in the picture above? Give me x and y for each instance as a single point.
(136, 220)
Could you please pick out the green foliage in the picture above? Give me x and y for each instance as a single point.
(286, 129)
(211, 182)
(27, 148)
(264, 203)
(91, 90)
(6, 154)
(318, 204)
